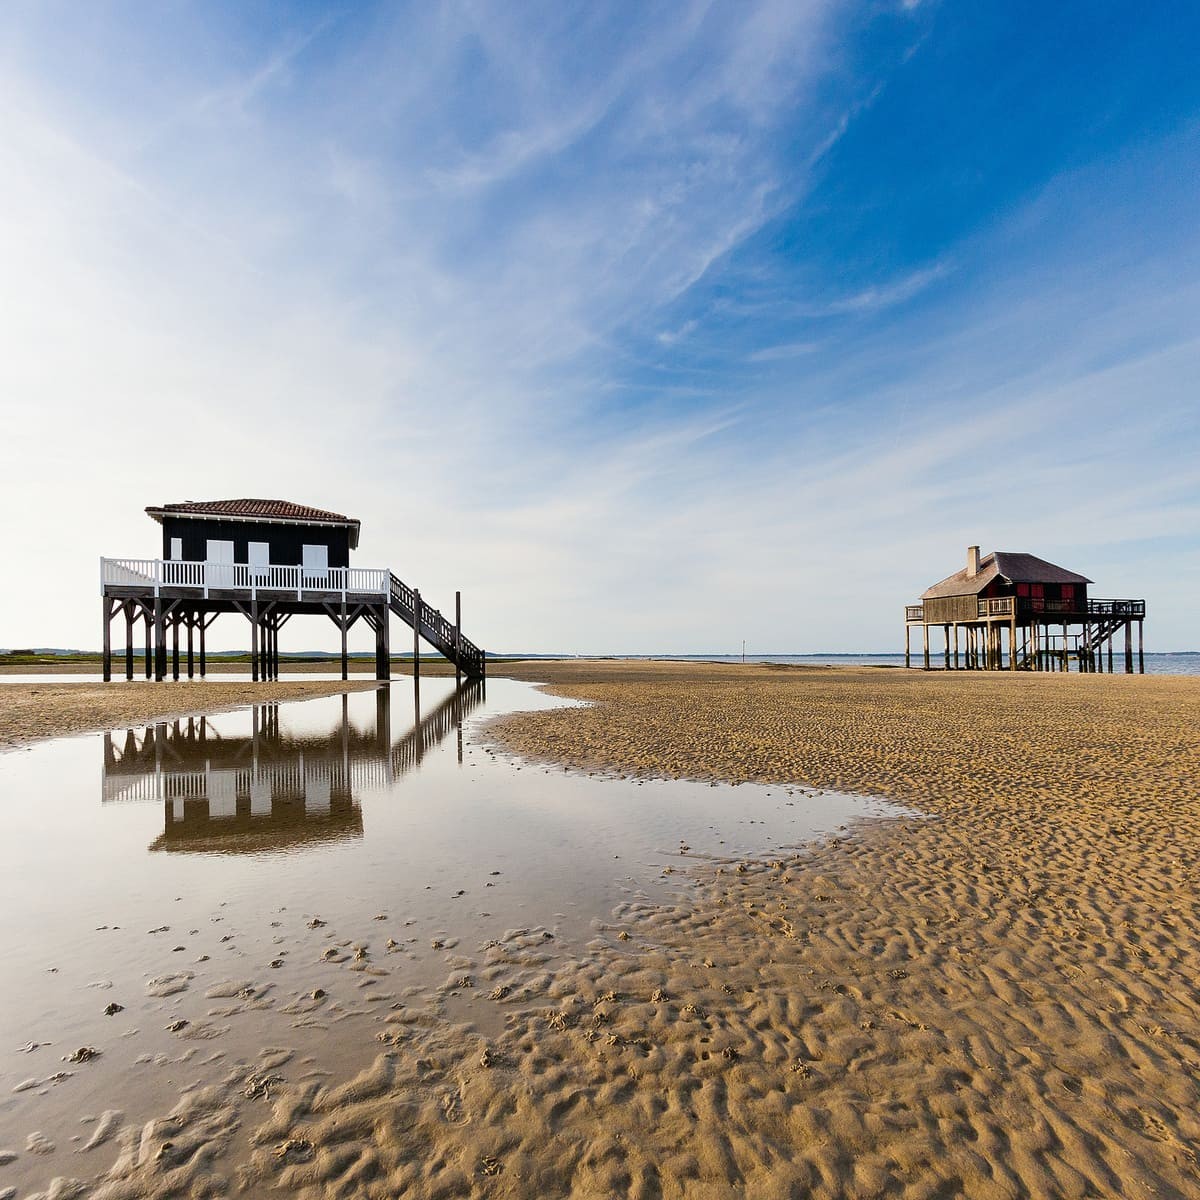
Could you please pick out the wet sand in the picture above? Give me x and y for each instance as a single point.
(998, 1000)
(32, 711)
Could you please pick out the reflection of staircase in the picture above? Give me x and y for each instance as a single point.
(433, 728)
(435, 629)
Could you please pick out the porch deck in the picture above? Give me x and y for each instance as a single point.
(176, 579)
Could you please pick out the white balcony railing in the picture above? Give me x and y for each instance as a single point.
(159, 574)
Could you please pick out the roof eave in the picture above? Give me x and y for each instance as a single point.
(353, 526)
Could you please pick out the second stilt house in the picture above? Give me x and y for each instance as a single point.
(1017, 611)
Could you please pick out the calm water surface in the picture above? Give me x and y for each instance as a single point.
(217, 871)
(1183, 662)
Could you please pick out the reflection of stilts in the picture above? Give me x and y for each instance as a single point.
(458, 721)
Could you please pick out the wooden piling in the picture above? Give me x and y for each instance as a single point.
(416, 635)
(106, 625)
(385, 626)
(127, 607)
(345, 653)
(254, 638)
(458, 639)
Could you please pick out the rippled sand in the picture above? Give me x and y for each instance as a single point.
(29, 711)
(999, 1000)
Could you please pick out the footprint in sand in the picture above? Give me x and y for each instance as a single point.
(169, 985)
(110, 1121)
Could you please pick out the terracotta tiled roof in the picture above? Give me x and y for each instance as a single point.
(256, 510)
(279, 510)
(1007, 566)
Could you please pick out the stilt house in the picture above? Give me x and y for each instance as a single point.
(1019, 611)
(267, 560)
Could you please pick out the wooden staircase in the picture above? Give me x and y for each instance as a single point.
(1098, 633)
(440, 633)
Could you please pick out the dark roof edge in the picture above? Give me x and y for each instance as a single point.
(157, 512)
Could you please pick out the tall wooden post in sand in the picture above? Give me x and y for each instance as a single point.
(457, 638)
(416, 635)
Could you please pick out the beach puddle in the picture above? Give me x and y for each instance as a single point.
(281, 892)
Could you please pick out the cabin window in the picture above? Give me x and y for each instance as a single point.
(1022, 589)
(1068, 592)
(316, 560)
(177, 549)
(1037, 590)
(258, 555)
(220, 570)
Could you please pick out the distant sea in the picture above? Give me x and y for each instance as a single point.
(1184, 662)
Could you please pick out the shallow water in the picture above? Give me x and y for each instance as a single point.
(243, 857)
(1179, 662)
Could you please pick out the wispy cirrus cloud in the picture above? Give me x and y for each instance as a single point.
(569, 303)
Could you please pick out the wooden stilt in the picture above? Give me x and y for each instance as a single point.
(107, 628)
(385, 624)
(925, 633)
(1141, 648)
(1128, 647)
(254, 638)
(1012, 642)
(907, 643)
(175, 646)
(956, 645)
(191, 649)
(203, 663)
(946, 646)
(148, 617)
(160, 643)
(127, 608)
(345, 652)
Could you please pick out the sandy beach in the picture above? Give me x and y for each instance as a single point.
(31, 711)
(995, 999)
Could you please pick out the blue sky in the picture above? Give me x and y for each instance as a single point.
(651, 327)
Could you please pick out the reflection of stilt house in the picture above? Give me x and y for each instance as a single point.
(266, 560)
(268, 791)
(1018, 611)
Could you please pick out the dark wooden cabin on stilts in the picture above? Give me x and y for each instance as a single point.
(267, 561)
(1009, 611)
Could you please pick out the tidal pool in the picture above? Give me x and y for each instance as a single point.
(182, 895)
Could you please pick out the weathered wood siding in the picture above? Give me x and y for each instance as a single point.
(945, 610)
